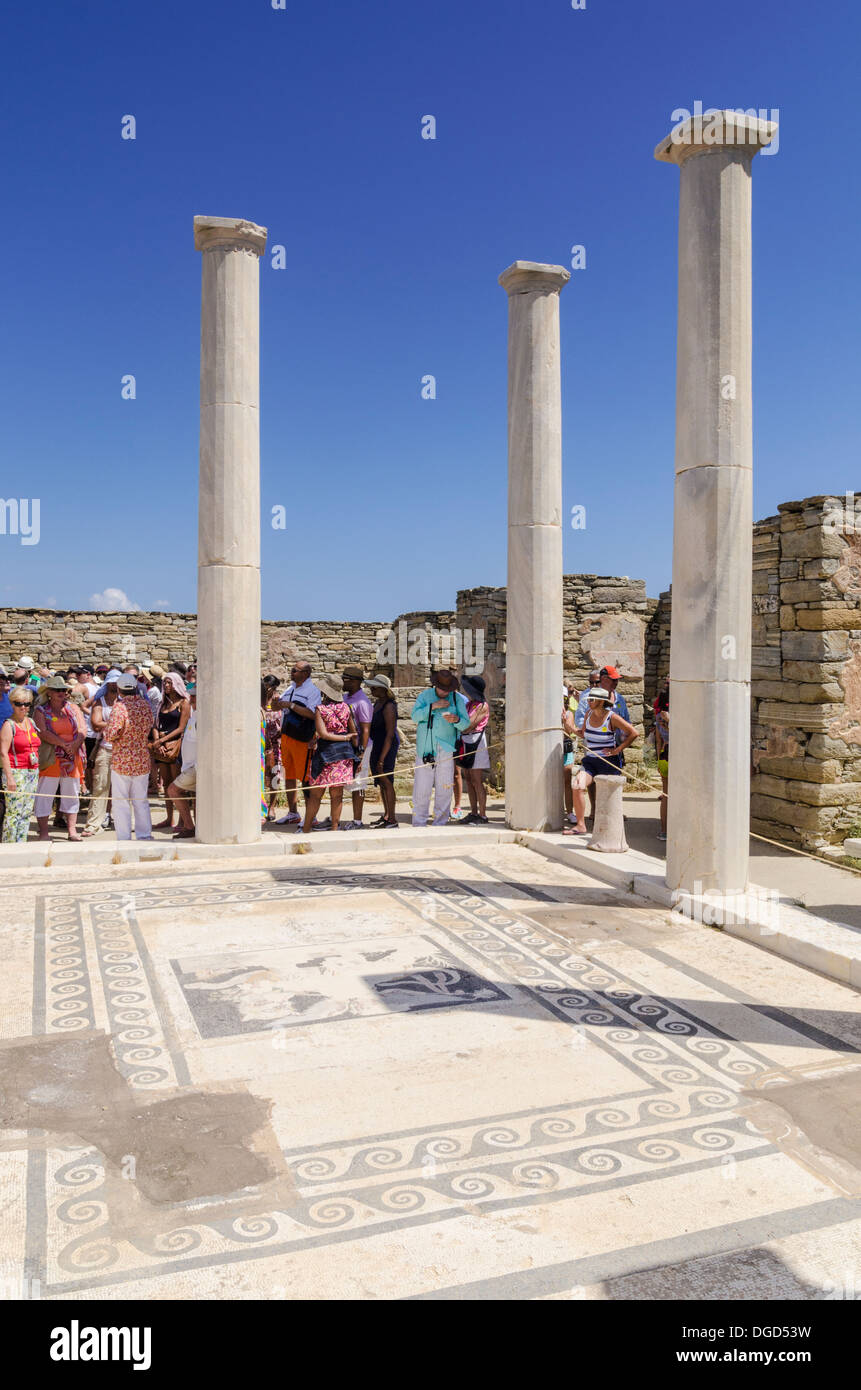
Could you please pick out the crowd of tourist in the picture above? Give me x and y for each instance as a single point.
(103, 741)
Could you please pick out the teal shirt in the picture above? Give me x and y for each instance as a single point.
(443, 737)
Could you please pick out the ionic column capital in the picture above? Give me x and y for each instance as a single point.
(715, 132)
(532, 277)
(232, 233)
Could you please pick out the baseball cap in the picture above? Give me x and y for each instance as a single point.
(611, 671)
(128, 681)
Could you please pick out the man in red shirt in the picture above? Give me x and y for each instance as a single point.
(127, 733)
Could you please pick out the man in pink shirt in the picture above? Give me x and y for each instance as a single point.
(363, 713)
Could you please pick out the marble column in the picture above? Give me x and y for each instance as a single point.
(533, 644)
(228, 567)
(709, 781)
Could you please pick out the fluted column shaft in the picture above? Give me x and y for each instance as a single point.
(228, 574)
(709, 779)
(533, 663)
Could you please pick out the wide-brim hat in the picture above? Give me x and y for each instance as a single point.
(445, 679)
(157, 671)
(56, 683)
(25, 663)
(382, 682)
(112, 676)
(356, 672)
(599, 693)
(327, 687)
(473, 686)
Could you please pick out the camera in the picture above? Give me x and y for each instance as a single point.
(429, 758)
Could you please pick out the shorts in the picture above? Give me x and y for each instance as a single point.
(597, 767)
(187, 780)
(362, 772)
(476, 756)
(295, 757)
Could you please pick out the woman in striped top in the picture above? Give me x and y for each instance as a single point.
(603, 753)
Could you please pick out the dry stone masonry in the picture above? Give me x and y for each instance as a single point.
(806, 652)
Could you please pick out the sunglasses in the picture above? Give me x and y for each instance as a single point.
(22, 704)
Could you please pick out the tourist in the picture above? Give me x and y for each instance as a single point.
(270, 714)
(61, 728)
(182, 788)
(570, 702)
(102, 670)
(440, 715)
(83, 689)
(173, 716)
(153, 691)
(19, 758)
(363, 713)
(385, 742)
(299, 703)
(97, 818)
(582, 707)
(474, 755)
(661, 709)
(23, 673)
(5, 713)
(603, 757)
(127, 731)
(332, 761)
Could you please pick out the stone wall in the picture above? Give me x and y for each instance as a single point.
(805, 672)
(806, 678)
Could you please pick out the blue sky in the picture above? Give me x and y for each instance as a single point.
(308, 121)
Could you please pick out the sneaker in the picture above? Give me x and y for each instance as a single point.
(353, 825)
(107, 823)
(292, 818)
(390, 825)
(323, 824)
(471, 819)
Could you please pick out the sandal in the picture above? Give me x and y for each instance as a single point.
(572, 830)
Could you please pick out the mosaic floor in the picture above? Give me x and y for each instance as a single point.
(453, 1075)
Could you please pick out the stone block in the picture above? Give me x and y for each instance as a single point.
(801, 769)
(773, 809)
(806, 591)
(828, 619)
(821, 568)
(787, 617)
(811, 670)
(815, 646)
(810, 543)
(801, 716)
(827, 793)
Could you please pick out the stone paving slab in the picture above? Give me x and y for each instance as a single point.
(467, 1071)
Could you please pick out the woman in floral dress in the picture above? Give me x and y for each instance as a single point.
(332, 761)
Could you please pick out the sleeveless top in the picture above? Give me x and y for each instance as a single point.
(168, 719)
(377, 733)
(602, 739)
(25, 740)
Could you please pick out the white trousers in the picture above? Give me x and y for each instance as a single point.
(129, 793)
(438, 778)
(69, 788)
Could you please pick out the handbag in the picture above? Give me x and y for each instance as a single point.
(295, 727)
(329, 751)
